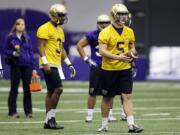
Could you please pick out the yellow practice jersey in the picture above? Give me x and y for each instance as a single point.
(54, 43)
(116, 44)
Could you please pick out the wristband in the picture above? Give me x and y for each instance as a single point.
(70, 65)
(135, 57)
(44, 60)
(85, 58)
(67, 61)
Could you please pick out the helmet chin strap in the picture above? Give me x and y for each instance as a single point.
(99, 27)
(117, 25)
(57, 22)
(62, 21)
(116, 22)
(54, 23)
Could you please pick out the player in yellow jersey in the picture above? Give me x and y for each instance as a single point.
(50, 45)
(94, 61)
(128, 23)
(114, 42)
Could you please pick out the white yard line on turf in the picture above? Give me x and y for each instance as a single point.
(75, 121)
(139, 108)
(66, 90)
(156, 114)
(98, 101)
(80, 89)
(79, 110)
(143, 133)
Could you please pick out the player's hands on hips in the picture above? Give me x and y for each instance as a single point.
(124, 58)
(46, 68)
(1, 73)
(72, 71)
(90, 62)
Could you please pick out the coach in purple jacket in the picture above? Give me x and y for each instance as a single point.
(18, 54)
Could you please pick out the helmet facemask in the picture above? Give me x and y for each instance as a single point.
(120, 18)
(58, 14)
(129, 21)
(119, 15)
(103, 24)
(62, 18)
(103, 21)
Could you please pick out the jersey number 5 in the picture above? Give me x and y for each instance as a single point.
(119, 46)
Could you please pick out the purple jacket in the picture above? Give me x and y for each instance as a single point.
(26, 53)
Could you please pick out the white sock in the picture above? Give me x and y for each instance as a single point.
(110, 112)
(130, 120)
(90, 112)
(122, 112)
(53, 112)
(49, 115)
(105, 122)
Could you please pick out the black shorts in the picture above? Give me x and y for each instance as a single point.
(95, 81)
(116, 82)
(52, 79)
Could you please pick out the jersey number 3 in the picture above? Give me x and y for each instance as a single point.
(59, 42)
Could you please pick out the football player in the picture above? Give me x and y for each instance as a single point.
(114, 42)
(51, 50)
(128, 23)
(91, 38)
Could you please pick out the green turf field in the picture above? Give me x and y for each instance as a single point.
(156, 109)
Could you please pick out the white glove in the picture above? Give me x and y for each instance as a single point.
(134, 72)
(90, 61)
(72, 71)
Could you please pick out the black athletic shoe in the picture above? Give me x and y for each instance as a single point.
(135, 129)
(14, 116)
(29, 116)
(47, 126)
(52, 124)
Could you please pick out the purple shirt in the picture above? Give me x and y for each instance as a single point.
(92, 37)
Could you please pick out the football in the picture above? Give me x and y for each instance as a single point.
(132, 54)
